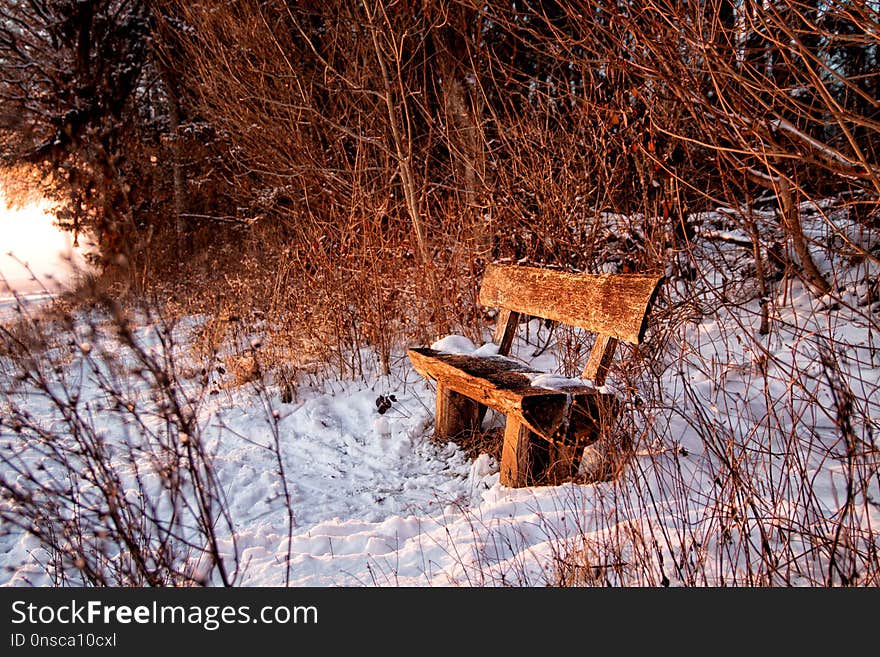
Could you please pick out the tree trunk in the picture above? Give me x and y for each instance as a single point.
(792, 224)
(180, 223)
(462, 109)
(401, 136)
(760, 276)
(780, 185)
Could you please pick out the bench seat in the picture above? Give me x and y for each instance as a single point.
(567, 414)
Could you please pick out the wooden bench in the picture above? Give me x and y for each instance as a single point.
(546, 429)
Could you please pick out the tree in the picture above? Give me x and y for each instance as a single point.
(70, 70)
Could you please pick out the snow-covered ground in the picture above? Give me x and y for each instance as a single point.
(750, 468)
(11, 306)
(375, 501)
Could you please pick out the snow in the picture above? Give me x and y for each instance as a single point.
(454, 344)
(11, 305)
(377, 502)
(460, 344)
(557, 382)
(488, 349)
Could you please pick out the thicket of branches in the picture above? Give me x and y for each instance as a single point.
(366, 159)
(91, 119)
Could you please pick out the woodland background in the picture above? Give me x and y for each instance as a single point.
(351, 167)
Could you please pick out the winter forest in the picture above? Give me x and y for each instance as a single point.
(275, 199)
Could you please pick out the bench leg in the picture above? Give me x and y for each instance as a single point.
(455, 413)
(515, 455)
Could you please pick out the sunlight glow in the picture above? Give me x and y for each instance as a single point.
(28, 233)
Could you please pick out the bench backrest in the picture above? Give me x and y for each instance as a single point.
(614, 306)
